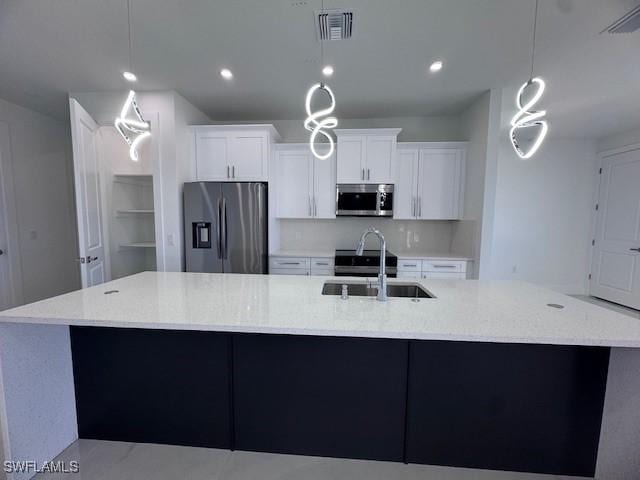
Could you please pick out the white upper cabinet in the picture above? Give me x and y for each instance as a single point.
(406, 184)
(366, 156)
(305, 187)
(230, 153)
(429, 181)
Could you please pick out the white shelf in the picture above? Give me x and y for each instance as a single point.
(134, 212)
(142, 179)
(138, 245)
(133, 175)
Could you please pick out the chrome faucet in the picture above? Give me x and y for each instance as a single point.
(382, 275)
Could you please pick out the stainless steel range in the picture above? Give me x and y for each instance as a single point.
(348, 264)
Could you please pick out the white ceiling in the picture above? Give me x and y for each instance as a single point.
(49, 48)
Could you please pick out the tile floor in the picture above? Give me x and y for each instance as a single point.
(102, 460)
(609, 305)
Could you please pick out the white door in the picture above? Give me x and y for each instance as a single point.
(380, 152)
(212, 156)
(616, 256)
(406, 184)
(351, 151)
(293, 175)
(324, 188)
(439, 180)
(248, 157)
(7, 286)
(86, 167)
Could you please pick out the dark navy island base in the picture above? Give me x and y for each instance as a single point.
(519, 407)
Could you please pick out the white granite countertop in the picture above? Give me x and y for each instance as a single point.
(303, 253)
(465, 310)
(432, 256)
(399, 254)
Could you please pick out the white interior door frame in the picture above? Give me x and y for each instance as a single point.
(9, 218)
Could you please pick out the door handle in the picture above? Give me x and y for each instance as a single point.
(219, 228)
(368, 174)
(413, 206)
(87, 259)
(228, 175)
(635, 250)
(363, 173)
(226, 230)
(419, 206)
(233, 172)
(1, 252)
(310, 208)
(315, 207)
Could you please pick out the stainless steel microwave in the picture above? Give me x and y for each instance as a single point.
(364, 200)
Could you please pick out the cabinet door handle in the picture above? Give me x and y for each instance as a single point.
(635, 250)
(363, 174)
(419, 206)
(310, 208)
(289, 263)
(368, 174)
(413, 206)
(444, 266)
(409, 265)
(315, 207)
(228, 171)
(322, 263)
(233, 172)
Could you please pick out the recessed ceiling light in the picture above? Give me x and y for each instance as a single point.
(436, 66)
(226, 74)
(327, 71)
(130, 77)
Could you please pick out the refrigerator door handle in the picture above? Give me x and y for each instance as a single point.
(225, 237)
(218, 233)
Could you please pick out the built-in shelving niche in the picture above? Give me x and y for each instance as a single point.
(133, 225)
(130, 207)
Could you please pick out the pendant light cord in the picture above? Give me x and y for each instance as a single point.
(533, 43)
(130, 37)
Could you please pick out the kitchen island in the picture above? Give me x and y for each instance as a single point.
(484, 375)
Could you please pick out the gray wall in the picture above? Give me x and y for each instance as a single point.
(42, 165)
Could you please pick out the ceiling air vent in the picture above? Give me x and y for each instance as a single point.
(627, 24)
(334, 24)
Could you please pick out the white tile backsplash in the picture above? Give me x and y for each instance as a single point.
(403, 236)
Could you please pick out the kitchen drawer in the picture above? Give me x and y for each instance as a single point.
(324, 272)
(288, 271)
(445, 275)
(456, 266)
(407, 274)
(322, 263)
(289, 262)
(409, 265)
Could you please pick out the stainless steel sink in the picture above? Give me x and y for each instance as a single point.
(363, 289)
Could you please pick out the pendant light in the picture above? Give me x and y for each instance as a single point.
(317, 122)
(133, 128)
(527, 117)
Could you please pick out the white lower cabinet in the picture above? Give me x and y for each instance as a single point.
(283, 265)
(432, 268)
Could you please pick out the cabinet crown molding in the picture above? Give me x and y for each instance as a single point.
(367, 131)
(275, 135)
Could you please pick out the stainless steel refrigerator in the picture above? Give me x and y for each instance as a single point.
(225, 227)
